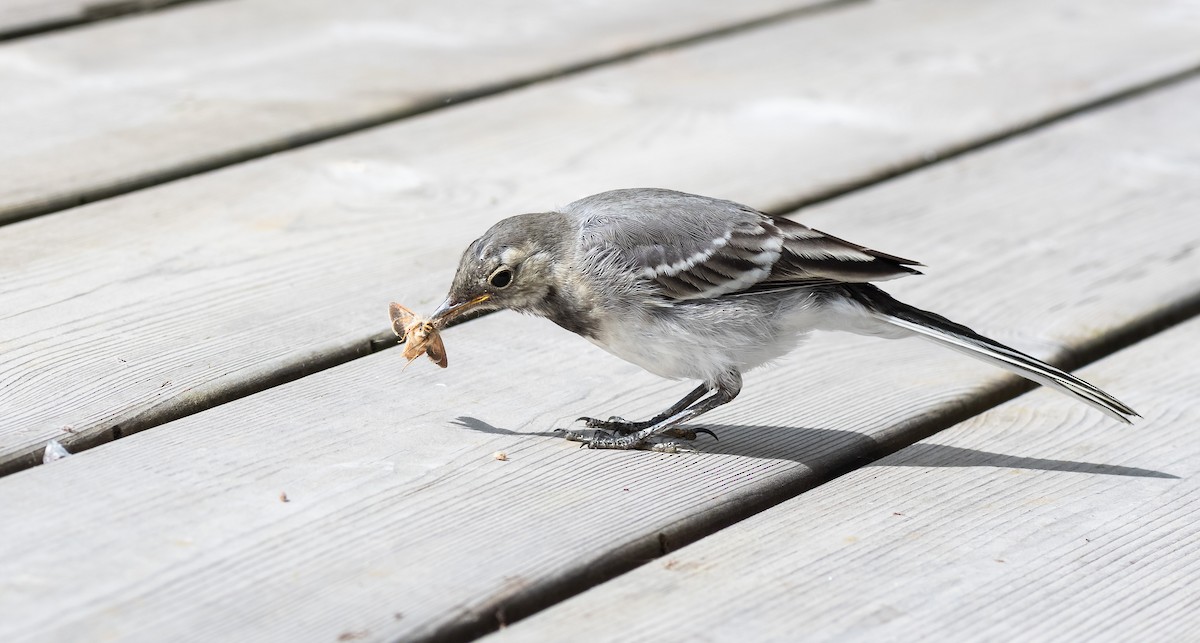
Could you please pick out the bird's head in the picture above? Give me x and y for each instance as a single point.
(511, 266)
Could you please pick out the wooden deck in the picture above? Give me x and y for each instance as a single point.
(207, 206)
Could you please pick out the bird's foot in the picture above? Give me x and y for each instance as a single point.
(617, 425)
(599, 439)
(621, 426)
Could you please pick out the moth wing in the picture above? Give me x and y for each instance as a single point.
(436, 350)
(413, 350)
(401, 316)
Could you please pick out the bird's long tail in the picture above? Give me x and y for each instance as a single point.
(940, 330)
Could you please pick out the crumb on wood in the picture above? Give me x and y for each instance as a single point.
(283, 497)
(351, 635)
(500, 455)
(54, 451)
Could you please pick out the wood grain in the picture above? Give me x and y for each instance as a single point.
(401, 524)
(1035, 520)
(141, 100)
(121, 315)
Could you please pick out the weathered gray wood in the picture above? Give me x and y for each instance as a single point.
(126, 313)
(22, 16)
(140, 100)
(1034, 521)
(400, 523)
(19, 15)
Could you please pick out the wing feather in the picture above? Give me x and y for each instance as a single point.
(694, 247)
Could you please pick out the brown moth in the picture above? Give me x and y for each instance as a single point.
(420, 335)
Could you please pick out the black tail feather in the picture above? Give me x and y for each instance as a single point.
(955, 336)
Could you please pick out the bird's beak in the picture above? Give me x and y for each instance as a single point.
(451, 310)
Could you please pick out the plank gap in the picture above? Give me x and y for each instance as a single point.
(968, 147)
(100, 11)
(204, 398)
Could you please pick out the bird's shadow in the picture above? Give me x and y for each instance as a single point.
(830, 452)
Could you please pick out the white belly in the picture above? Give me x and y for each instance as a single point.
(686, 346)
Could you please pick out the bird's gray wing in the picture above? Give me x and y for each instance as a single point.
(694, 247)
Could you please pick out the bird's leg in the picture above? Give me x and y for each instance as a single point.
(724, 390)
(621, 426)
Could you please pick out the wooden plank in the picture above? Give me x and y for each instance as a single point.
(20, 17)
(230, 282)
(24, 15)
(27, 17)
(138, 101)
(401, 524)
(1034, 520)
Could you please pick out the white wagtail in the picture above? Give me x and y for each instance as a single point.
(690, 287)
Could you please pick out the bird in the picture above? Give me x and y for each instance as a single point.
(690, 287)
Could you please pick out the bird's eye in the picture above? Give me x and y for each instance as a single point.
(501, 277)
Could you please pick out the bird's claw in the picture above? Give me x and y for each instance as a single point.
(687, 434)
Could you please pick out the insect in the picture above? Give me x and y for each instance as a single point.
(419, 334)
